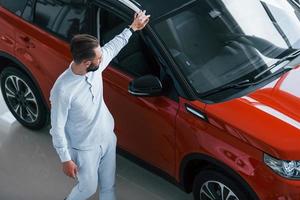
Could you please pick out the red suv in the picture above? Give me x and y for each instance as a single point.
(208, 95)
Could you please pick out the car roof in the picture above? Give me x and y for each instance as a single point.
(157, 8)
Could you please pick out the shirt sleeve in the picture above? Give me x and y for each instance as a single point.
(59, 113)
(113, 47)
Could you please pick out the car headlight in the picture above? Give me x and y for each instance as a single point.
(285, 168)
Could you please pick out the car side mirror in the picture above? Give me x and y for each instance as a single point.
(145, 86)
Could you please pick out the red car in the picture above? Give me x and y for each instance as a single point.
(208, 95)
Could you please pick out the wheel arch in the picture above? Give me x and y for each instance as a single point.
(7, 59)
(193, 163)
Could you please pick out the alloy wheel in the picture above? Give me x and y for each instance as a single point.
(214, 190)
(21, 98)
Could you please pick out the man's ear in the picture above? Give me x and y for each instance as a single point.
(87, 62)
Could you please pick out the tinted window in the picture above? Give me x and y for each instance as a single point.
(135, 58)
(15, 6)
(64, 19)
(28, 10)
(74, 21)
(46, 13)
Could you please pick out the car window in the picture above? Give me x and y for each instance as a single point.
(74, 21)
(62, 18)
(46, 13)
(16, 7)
(28, 10)
(135, 58)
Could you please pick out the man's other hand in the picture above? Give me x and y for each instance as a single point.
(140, 20)
(70, 168)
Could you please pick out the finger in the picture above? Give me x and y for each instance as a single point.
(145, 19)
(146, 16)
(135, 15)
(142, 13)
(72, 174)
(75, 171)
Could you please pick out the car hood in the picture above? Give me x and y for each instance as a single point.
(268, 118)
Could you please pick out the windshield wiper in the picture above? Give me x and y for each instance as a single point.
(286, 58)
(245, 83)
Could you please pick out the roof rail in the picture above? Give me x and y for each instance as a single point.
(131, 5)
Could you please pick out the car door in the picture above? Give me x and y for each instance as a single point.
(42, 40)
(9, 11)
(145, 126)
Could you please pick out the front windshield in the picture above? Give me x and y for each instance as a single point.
(217, 42)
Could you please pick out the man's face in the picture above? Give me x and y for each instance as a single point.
(94, 66)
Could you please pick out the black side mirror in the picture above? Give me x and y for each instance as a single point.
(145, 86)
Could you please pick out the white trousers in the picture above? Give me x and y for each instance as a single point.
(95, 167)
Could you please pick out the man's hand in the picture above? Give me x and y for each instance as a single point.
(140, 21)
(70, 168)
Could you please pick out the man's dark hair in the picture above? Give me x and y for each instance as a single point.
(82, 47)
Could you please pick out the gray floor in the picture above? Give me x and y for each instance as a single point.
(30, 169)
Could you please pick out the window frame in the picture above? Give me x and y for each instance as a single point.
(127, 20)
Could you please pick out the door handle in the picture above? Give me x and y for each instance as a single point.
(27, 42)
(196, 112)
(6, 40)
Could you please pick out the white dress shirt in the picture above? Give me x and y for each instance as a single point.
(79, 116)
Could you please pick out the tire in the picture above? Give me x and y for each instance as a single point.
(208, 185)
(23, 99)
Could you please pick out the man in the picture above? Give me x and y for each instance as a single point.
(81, 125)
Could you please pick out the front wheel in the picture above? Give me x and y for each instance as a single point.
(23, 99)
(212, 185)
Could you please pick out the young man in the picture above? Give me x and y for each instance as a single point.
(81, 125)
